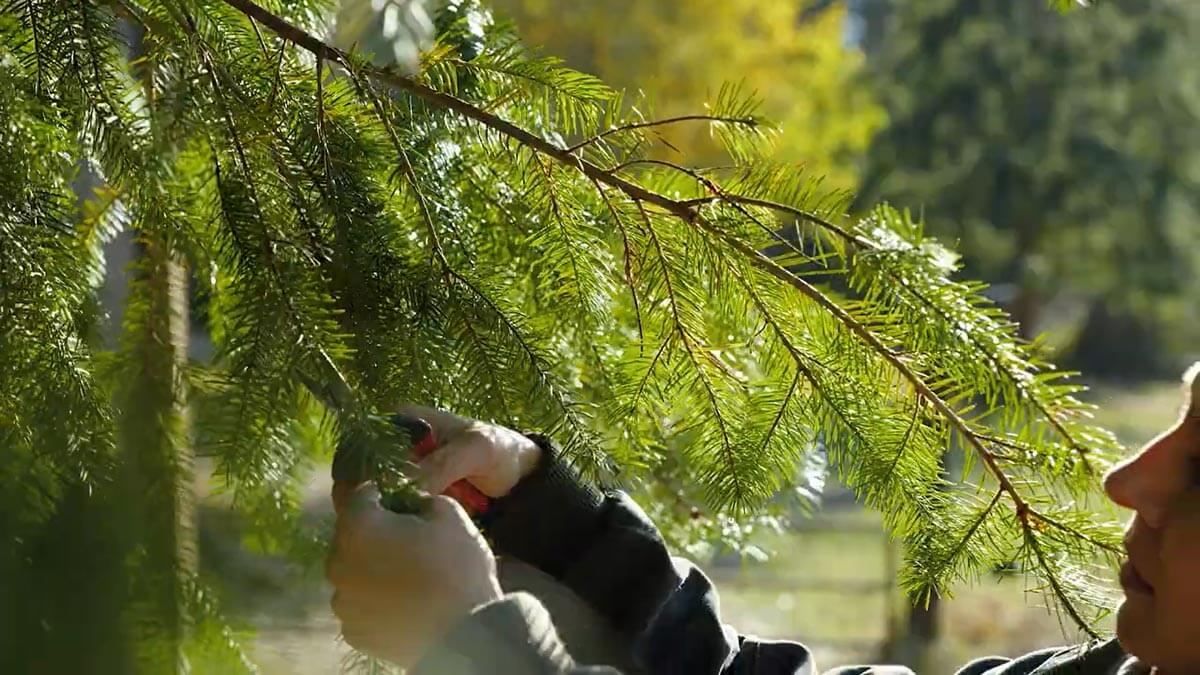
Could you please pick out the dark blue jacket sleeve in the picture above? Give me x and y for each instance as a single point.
(605, 549)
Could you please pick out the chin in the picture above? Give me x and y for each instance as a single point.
(1135, 629)
(1150, 632)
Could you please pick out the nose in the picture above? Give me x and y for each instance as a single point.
(1145, 482)
(1120, 483)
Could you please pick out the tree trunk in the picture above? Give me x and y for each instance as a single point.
(1025, 309)
(158, 456)
(1115, 342)
(923, 621)
(872, 17)
(911, 646)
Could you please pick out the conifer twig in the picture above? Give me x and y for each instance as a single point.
(720, 195)
(1107, 547)
(686, 340)
(1056, 585)
(1024, 511)
(649, 124)
(627, 256)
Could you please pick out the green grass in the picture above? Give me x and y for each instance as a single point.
(832, 583)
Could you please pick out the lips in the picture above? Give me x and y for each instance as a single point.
(1133, 582)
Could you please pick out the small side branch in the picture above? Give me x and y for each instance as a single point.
(667, 121)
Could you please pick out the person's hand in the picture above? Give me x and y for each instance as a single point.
(402, 581)
(492, 458)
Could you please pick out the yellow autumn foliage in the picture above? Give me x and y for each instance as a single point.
(679, 53)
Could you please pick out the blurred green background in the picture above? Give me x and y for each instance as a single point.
(1057, 154)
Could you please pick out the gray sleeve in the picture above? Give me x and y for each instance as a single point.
(511, 636)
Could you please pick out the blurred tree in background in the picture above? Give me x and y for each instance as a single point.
(680, 53)
(1060, 153)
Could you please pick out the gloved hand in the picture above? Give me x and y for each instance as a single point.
(491, 457)
(402, 581)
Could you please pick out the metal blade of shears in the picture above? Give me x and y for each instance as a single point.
(353, 459)
(354, 456)
(330, 387)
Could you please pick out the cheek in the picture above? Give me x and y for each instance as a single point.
(1178, 596)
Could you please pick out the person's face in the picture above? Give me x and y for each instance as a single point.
(1159, 622)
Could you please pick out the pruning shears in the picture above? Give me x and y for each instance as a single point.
(368, 443)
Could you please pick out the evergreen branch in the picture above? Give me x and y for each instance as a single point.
(262, 44)
(230, 127)
(1057, 587)
(568, 85)
(787, 398)
(867, 336)
(859, 242)
(439, 253)
(627, 255)
(637, 394)
(587, 309)
(571, 248)
(436, 246)
(244, 412)
(1104, 545)
(904, 441)
(33, 29)
(686, 341)
(322, 139)
(1023, 510)
(966, 538)
(317, 47)
(535, 361)
(267, 249)
(493, 374)
(801, 361)
(733, 198)
(410, 174)
(1005, 443)
(712, 187)
(88, 31)
(275, 83)
(296, 196)
(631, 126)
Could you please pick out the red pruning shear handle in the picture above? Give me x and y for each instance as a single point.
(423, 443)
